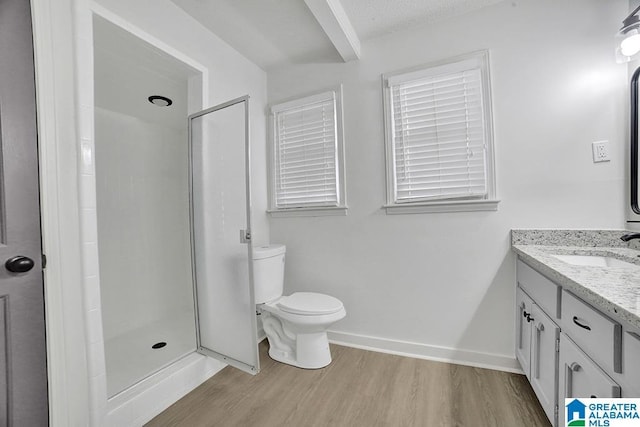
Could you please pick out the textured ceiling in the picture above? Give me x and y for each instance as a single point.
(268, 32)
(372, 18)
(275, 32)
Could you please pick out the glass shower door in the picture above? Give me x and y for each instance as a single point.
(221, 244)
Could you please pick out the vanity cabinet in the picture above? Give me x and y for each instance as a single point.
(567, 348)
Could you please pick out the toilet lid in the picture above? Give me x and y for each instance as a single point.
(310, 303)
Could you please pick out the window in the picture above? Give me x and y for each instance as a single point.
(307, 173)
(439, 138)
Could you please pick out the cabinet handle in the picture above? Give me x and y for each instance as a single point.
(536, 350)
(527, 316)
(575, 320)
(568, 378)
(521, 327)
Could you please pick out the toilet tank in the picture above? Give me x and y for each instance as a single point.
(268, 272)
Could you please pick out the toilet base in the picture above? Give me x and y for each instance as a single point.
(312, 351)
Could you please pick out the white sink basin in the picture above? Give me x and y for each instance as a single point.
(594, 261)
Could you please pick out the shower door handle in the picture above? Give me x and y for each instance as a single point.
(245, 236)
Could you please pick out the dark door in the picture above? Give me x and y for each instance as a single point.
(23, 372)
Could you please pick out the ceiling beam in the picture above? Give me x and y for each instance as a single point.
(334, 21)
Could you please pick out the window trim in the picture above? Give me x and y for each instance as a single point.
(341, 207)
(490, 201)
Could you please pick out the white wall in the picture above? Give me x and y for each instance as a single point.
(143, 222)
(447, 280)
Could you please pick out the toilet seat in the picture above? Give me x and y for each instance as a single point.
(309, 304)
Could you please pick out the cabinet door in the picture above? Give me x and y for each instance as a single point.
(581, 377)
(631, 354)
(544, 360)
(524, 305)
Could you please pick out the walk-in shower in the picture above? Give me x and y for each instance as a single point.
(173, 198)
(142, 187)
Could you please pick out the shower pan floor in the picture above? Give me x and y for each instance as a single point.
(130, 357)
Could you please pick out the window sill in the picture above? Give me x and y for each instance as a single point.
(445, 206)
(319, 211)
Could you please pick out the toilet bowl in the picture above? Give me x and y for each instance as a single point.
(296, 325)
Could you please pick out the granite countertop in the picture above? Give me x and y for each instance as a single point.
(612, 290)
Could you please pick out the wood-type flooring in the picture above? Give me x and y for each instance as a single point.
(359, 388)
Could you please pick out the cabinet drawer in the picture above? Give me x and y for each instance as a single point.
(542, 290)
(580, 377)
(631, 355)
(599, 336)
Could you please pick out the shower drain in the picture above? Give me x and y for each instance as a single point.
(158, 345)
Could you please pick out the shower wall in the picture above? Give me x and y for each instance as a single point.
(143, 221)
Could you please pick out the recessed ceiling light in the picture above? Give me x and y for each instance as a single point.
(160, 101)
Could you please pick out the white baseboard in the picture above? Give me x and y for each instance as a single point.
(429, 352)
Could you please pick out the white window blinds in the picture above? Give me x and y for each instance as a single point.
(306, 153)
(438, 134)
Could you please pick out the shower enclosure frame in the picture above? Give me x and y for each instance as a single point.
(245, 237)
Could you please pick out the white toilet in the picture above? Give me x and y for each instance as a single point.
(296, 325)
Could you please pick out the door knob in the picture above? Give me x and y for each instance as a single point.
(19, 264)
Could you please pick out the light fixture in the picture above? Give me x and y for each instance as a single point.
(628, 38)
(160, 101)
